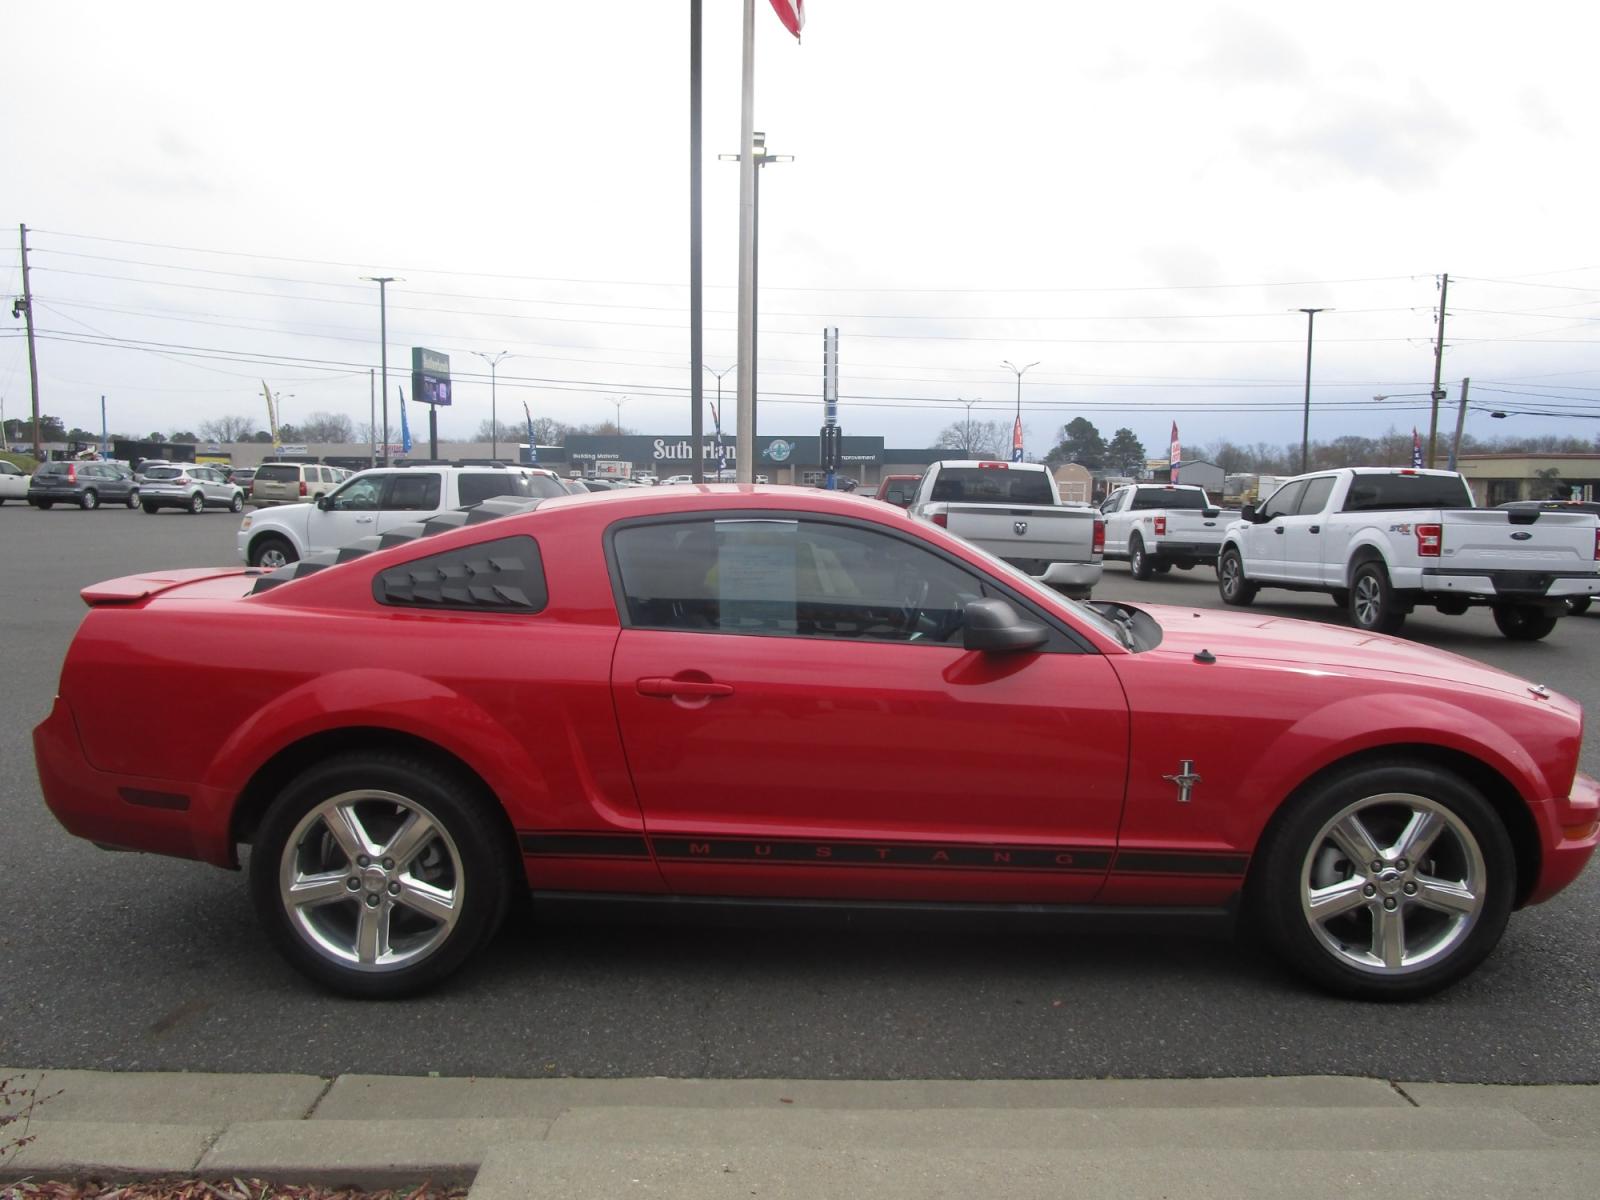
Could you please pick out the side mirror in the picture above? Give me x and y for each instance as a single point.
(325, 502)
(994, 627)
(1248, 512)
(1210, 513)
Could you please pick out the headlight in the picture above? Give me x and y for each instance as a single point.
(245, 524)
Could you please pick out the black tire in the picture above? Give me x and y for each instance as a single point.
(1340, 597)
(468, 859)
(133, 498)
(197, 503)
(1161, 568)
(238, 503)
(1185, 565)
(45, 504)
(1138, 560)
(1523, 622)
(1372, 606)
(152, 509)
(1234, 588)
(1578, 605)
(1302, 854)
(267, 544)
(90, 499)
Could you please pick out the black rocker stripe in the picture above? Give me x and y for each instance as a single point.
(584, 845)
(1179, 862)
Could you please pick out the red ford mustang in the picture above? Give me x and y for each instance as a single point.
(780, 695)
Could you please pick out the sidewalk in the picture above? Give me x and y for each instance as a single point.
(514, 1139)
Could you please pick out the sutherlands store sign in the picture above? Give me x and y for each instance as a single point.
(677, 450)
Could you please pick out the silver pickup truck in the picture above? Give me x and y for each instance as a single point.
(1014, 511)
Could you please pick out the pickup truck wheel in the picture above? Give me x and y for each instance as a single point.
(1231, 583)
(1138, 560)
(1577, 605)
(1523, 622)
(1163, 568)
(1372, 605)
(379, 874)
(1386, 881)
(271, 552)
(1185, 565)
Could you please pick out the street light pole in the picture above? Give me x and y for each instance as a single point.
(1305, 424)
(1016, 433)
(717, 413)
(966, 432)
(494, 410)
(618, 404)
(383, 282)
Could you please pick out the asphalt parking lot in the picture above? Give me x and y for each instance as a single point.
(135, 962)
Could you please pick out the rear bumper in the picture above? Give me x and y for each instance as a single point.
(128, 812)
(1197, 551)
(1510, 585)
(1571, 830)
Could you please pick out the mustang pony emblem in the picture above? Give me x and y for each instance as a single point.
(1185, 779)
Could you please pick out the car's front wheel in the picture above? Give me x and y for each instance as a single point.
(379, 874)
(238, 503)
(1231, 583)
(1523, 622)
(1386, 881)
(271, 552)
(89, 499)
(133, 498)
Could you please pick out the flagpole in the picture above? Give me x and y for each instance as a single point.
(745, 454)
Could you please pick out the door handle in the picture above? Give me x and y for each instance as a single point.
(660, 685)
(364, 520)
(1316, 529)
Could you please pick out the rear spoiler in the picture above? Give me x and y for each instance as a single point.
(131, 589)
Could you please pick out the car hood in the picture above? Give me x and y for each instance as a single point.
(1261, 638)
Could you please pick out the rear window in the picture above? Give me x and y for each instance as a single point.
(1370, 492)
(900, 491)
(1162, 498)
(51, 469)
(992, 485)
(486, 485)
(163, 473)
(279, 473)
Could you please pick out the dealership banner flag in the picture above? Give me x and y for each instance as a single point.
(1016, 441)
(1175, 451)
(405, 425)
(1416, 447)
(533, 442)
(792, 13)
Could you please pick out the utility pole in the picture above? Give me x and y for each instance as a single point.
(966, 432)
(372, 412)
(1461, 421)
(618, 404)
(1438, 366)
(105, 440)
(25, 305)
(383, 282)
(1305, 422)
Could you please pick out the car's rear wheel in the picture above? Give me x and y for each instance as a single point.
(1372, 604)
(89, 499)
(152, 509)
(1138, 560)
(45, 503)
(1578, 605)
(1340, 597)
(133, 498)
(1231, 583)
(238, 503)
(271, 552)
(1162, 568)
(1523, 622)
(379, 874)
(1387, 881)
(197, 503)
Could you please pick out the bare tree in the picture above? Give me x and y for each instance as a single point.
(988, 438)
(231, 428)
(326, 427)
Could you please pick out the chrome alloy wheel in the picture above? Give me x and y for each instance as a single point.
(272, 558)
(1368, 597)
(1393, 883)
(372, 881)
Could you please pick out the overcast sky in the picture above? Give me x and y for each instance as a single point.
(1136, 196)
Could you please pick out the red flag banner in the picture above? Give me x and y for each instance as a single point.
(1016, 441)
(1175, 452)
(792, 13)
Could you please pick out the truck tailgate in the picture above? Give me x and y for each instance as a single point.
(1027, 531)
(1496, 540)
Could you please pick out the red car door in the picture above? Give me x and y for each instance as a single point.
(800, 719)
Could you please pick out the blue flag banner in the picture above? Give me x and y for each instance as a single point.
(1416, 447)
(405, 426)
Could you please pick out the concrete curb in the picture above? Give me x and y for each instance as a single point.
(580, 1137)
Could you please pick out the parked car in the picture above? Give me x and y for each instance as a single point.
(243, 477)
(771, 695)
(189, 486)
(1014, 511)
(1382, 540)
(1158, 526)
(86, 484)
(375, 501)
(13, 481)
(291, 483)
(678, 479)
(899, 490)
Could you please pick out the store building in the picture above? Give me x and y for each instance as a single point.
(1497, 478)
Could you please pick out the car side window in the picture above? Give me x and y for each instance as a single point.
(794, 578)
(1315, 497)
(412, 491)
(1284, 501)
(359, 495)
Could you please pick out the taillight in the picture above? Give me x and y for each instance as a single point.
(942, 520)
(1597, 544)
(302, 487)
(1099, 536)
(1430, 539)
(183, 481)
(1161, 526)
(72, 474)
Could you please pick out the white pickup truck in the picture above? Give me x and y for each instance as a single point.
(375, 501)
(1014, 511)
(1381, 541)
(1158, 526)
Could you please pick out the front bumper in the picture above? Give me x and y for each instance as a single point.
(1570, 829)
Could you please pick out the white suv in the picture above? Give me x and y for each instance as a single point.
(374, 501)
